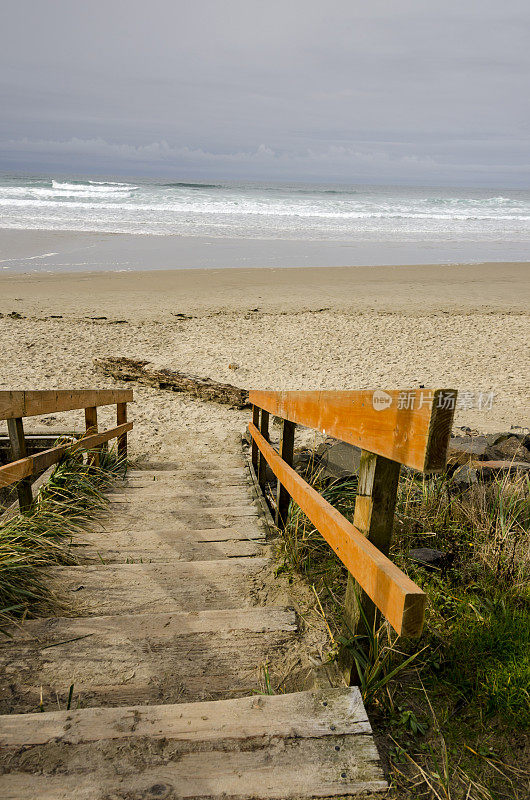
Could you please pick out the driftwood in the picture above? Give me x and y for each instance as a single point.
(128, 369)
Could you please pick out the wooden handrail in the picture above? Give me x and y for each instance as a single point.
(36, 402)
(14, 406)
(392, 428)
(395, 595)
(31, 465)
(412, 427)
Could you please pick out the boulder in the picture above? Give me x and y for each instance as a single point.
(466, 448)
(465, 475)
(338, 459)
(509, 448)
(430, 558)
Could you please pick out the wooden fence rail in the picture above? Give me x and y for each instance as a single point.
(392, 428)
(14, 406)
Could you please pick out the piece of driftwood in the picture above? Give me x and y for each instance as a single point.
(128, 369)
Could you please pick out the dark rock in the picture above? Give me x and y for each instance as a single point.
(430, 558)
(338, 459)
(465, 475)
(496, 438)
(306, 462)
(508, 449)
(465, 448)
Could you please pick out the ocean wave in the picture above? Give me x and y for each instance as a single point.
(181, 185)
(239, 211)
(94, 186)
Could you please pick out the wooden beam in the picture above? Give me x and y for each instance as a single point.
(11, 473)
(262, 464)
(411, 427)
(121, 418)
(255, 451)
(91, 422)
(15, 429)
(286, 451)
(374, 518)
(33, 403)
(396, 596)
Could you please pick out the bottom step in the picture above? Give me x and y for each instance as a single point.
(308, 744)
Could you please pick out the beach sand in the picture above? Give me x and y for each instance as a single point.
(463, 327)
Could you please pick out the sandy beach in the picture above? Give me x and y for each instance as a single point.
(463, 327)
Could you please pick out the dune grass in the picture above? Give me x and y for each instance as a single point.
(43, 537)
(452, 710)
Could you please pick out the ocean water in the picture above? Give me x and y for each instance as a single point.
(494, 222)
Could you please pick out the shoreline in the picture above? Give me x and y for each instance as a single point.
(42, 251)
(147, 295)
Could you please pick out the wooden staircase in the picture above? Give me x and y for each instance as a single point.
(164, 650)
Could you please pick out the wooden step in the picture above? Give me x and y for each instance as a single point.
(153, 515)
(151, 658)
(308, 744)
(164, 553)
(144, 588)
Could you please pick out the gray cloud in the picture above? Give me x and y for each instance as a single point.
(408, 91)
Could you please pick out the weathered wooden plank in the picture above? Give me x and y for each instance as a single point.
(396, 596)
(331, 712)
(11, 473)
(294, 768)
(137, 659)
(33, 403)
(17, 440)
(143, 588)
(411, 427)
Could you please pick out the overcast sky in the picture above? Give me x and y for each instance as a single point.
(396, 91)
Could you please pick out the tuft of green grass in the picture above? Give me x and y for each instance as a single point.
(452, 709)
(43, 537)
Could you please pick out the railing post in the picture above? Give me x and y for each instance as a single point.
(17, 440)
(255, 451)
(373, 517)
(91, 423)
(262, 462)
(121, 418)
(286, 452)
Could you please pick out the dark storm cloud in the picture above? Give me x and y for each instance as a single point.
(414, 91)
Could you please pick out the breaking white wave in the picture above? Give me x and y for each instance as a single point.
(266, 211)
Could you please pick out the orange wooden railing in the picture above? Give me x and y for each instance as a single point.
(392, 428)
(14, 406)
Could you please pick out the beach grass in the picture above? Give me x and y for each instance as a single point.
(451, 711)
(45, 536)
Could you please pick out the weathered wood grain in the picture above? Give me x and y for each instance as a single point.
(416, 436)
(33, 403)
(129, 369)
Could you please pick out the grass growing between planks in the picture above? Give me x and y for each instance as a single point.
(43, 537)
(452, 710)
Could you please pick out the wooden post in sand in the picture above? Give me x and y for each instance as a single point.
(17, 440)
